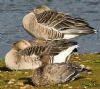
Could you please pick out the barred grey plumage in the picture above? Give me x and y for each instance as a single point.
(32, 50)
(30, 54)
(50, 24)
(23, 56)
(56, 49)
(57, 73)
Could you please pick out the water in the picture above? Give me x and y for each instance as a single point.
(12, 12)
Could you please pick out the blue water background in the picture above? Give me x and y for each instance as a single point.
(12, 12)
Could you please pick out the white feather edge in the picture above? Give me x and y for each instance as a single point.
(70, 36)
(61, 57)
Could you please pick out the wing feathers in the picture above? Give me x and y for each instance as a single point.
(60, 21)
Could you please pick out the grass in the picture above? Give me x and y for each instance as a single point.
(22, 79)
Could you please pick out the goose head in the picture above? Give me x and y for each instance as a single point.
(21, 44)
(41, 9)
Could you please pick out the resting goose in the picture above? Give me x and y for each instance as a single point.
(57, 51)
(47, 24)
(19, 58)
(56, 73)
(31, 54)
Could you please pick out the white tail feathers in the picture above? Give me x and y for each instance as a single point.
(61, 57)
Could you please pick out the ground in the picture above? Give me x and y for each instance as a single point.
(22, 79)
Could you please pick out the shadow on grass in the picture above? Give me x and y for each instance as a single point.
(78, 78)
(27, 80)
(3, 68)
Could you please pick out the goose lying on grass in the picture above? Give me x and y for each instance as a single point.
(47, 24)
(30, 54)
(56, 73)
(18, 59)
(57, 51)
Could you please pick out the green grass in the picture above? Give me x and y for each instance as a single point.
(21, 79)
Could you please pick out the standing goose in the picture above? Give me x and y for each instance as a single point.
(56, 73)
(30, 55)
(47, 24)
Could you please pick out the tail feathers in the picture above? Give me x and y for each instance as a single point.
(61, 45)
(79, 31)
(73, 33)
(61, 57)
(75, 72)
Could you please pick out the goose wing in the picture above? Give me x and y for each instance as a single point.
(49, 49)
(54, 47)
(64, 23)
(33, 50)
(59, 46)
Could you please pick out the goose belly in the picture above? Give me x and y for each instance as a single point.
(16, 62)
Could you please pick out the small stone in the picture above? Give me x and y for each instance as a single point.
(19, 84)
(89, 72)
(70, 87)
(27, 87)
(85, 87)
(26, 72)
(77, 57)
(11, 81)
(23, 87)
(88, 67)
(65, 85)
(89, 78)
(59, 85)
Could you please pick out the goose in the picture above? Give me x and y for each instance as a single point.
(56, 73)
(47, 24)
(18, 59)
(26, 54)
(57, 51)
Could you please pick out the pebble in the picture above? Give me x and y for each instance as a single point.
(89, 78)
(79, 59)
(59, 85)
(65, 85)
(26, 87)
(26, 72)
(11, 81)
(70, 87)
(88, 67)
(85, 87)
(23, 87)
(89, 72)
(19, 84)
(76, 57)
